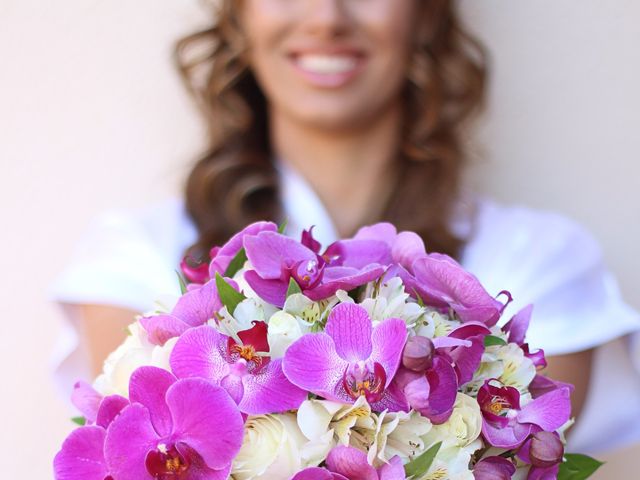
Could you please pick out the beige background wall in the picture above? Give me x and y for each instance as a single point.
(92, 116)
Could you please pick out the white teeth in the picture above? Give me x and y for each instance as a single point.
(326, 64)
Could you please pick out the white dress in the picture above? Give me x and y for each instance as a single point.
(129, 260)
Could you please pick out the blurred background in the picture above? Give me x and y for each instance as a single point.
(93, 116)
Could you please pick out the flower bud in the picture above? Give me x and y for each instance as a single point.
(418, 354)
(546, 450)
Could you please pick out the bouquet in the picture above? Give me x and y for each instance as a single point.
(371, 360)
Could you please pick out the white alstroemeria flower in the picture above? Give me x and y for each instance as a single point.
(518, 370)
(306, 310)
(451, 463)
(463, 427)
(283, 329)
(136, 351)
(271, 448)
(397, 433)
(442, 324)
(327, 424)
(392, 302)
(490, 367)
(267, 308)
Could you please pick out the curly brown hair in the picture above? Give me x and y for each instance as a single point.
(235, 181)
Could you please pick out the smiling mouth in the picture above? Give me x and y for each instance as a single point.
(326, 64)
(328, 70)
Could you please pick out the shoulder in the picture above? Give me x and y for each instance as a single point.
(516, 237)
(554, 262)
(127, 257)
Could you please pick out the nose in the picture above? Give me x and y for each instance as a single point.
(327, 17)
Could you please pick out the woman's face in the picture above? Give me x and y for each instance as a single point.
(329, 63)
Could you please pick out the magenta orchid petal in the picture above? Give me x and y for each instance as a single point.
(82, 456)
(507, 437)
(161, 328)
(270, 391)
(198, 354)
(272, 291)
(393, 400)
(443, 384)
(417, 390)
(441, 281)
(271, 252)
(148, 386)
(394, 470)
(467, 359)
(494, 468)
(379, 231)
(317, 473)
(197, 306)
(344, 278)
(549, 411)
(350, 328)
(129, 438)
(350, 462)
(110, 408)
(87, 400)
(450, 342)
(223, 256)
(207, 419)
(407, 247)
(542, 384)
(388, 339)
(518, 325)
(312, 363)
(358, 253)
(550, 473)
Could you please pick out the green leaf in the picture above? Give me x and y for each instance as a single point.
(183, 285)
(229, 296)
(421, 464)
(283, 226)
(578, 467)
(293, 287)
(79, 421)
(236, 263)
(418, 298)
(491, 340)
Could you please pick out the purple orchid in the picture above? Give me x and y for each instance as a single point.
(441, 282)
(193, 309)
(506, 425)
(253, 379)
(350, 358)
(198, 272)
(432, 390)
(494, 468)
(276, 259)
(348, 463)
(438, 279)
(82, 454)
(544, 451)
(517, 329)
(188, 429)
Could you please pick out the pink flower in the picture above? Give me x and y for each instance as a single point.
(254, 380)
(188, 429)
(348, 463)
(350, 358)
(82, 454)
(276, 259)
(506, 425)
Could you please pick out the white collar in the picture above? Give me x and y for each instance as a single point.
(303, 207)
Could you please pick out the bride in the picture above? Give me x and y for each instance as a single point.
(339, 114)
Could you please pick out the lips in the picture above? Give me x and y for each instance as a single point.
(328, 68)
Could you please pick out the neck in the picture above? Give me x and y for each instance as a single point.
(350, 170)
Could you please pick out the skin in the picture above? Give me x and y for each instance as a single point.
(337, 136)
